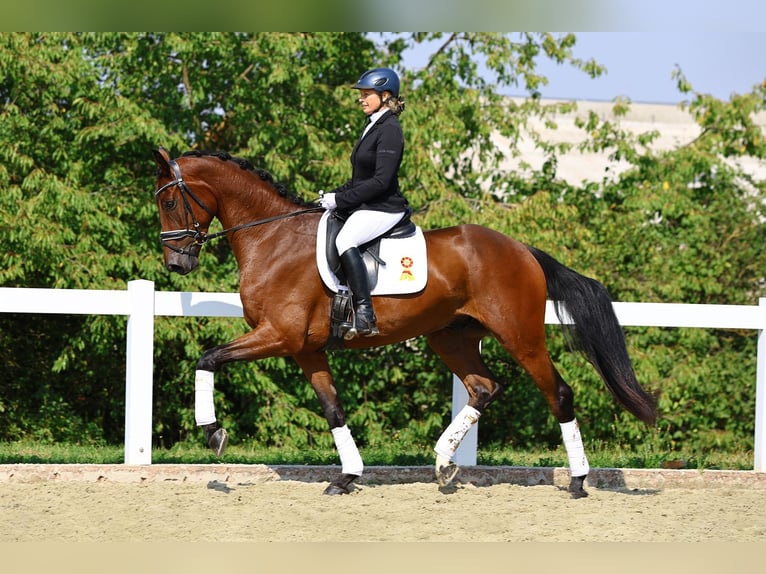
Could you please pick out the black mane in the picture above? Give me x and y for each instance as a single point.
(264, 175)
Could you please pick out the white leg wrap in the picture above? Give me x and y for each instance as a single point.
(350, 459)
(578, 462)
(456, 431)
(204, 411)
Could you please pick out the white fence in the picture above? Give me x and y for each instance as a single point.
(141, 303)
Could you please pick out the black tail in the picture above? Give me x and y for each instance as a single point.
(591, 327)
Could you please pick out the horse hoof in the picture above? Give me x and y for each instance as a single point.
(341, 485)
(445, 471)
(218, 441)
(576, 489)
(335, 490)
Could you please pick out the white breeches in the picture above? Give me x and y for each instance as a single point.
(363, 226)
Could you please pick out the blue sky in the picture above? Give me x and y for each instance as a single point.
(640, 65)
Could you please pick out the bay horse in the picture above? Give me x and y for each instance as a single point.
(479, 283)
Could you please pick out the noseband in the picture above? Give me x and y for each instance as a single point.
(194, 230)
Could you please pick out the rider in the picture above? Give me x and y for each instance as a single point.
(371, 200)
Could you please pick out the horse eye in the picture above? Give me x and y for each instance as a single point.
(169, 204)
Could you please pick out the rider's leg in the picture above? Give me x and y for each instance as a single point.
(361, 227)
(356, 275)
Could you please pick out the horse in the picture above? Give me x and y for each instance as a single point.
(480, 283)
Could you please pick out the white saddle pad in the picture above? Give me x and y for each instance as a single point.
(405, 269)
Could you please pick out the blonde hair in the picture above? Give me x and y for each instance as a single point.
(396, 105)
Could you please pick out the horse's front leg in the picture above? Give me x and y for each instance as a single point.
(317, 370)
(204, 407)
(257, 344)
(217, 438)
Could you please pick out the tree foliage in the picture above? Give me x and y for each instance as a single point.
(81, 113)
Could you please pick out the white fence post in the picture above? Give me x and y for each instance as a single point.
(139, 373)
(466, 453)
(759, 464)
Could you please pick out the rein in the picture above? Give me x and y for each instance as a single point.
(199, 236)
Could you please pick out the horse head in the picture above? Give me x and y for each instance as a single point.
(188, 203)
(187, 207)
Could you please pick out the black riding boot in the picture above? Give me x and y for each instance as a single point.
(356, 275)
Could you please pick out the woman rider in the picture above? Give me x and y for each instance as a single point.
(371, 201)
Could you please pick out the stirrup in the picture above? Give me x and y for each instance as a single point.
(363, 324)
(370, 331)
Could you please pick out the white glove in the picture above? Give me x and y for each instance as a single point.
(327, 201)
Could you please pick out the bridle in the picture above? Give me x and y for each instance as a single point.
(194, 230)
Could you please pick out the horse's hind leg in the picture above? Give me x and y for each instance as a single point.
(459, 349)
(530, 352)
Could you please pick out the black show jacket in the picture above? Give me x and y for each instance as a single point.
(375, 162)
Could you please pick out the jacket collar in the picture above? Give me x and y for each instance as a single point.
(373, 120)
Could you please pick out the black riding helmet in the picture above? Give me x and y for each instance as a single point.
(379, 79)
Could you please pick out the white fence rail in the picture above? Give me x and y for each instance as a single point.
(141, 303)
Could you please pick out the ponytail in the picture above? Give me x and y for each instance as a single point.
(395, 105)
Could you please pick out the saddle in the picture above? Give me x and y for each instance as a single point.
(370, 251)
(395, 262)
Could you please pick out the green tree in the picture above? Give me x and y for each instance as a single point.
(71, 216)
(81, 112)
(686, 226)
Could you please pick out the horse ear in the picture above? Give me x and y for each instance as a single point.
(162, 159)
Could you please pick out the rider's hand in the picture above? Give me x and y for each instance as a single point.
(327, 201)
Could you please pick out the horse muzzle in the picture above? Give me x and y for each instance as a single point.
(181, 263)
